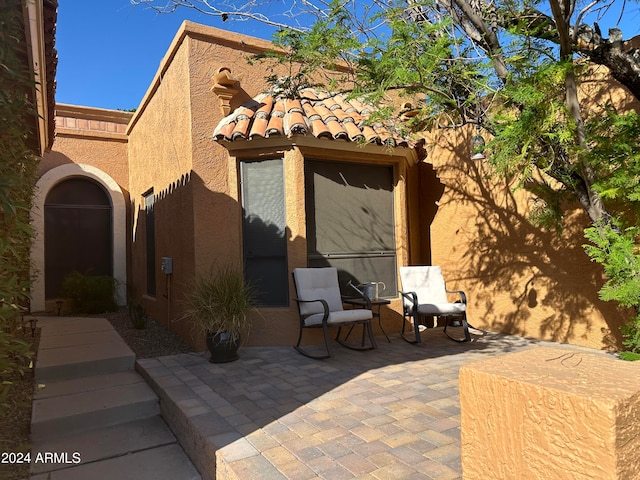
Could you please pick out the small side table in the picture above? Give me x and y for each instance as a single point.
(378, 302)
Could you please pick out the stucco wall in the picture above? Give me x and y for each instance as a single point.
(198, 214)
(171, 149)
(160, 158)
(519, 279)
(90, 142)
(107, 154)
(218, 236)
(550, 413)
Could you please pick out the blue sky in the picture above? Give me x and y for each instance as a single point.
(109, 50)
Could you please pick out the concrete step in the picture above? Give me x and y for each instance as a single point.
(64, 363)
(52, 326)
(103, 444)
(79, 338)
(162, 463)
(75, 347)
(86, 384)
(94, 416)
(63, 415)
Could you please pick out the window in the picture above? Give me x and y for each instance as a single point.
(264, 230)
(350, 222)
(150, 230)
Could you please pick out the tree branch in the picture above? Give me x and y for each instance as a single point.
(208, 8)
(624, 63)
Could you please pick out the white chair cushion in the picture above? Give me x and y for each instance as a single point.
(426, 281)
(441, 308)
(339, 317)
(316, 283)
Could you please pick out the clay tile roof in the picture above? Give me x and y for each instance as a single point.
(314, 113)
(262, 114)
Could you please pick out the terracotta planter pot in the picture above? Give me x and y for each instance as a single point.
(221, 347)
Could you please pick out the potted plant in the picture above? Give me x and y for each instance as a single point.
(218, 303)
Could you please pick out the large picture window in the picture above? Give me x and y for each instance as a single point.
(264, 230)
(350, 222)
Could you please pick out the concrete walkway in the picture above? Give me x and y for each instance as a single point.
(391, 413)
(94, 416)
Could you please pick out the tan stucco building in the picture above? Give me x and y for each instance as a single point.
(284, 185)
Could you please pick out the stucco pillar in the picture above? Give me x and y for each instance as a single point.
(550, 413)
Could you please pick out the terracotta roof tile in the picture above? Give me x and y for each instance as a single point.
(260, 115)
(259, 125)
(274, 127)
(310, 111)
(319, 128)
(326, 114)
(227, 130)
(292, 105)
(294, 124)
(355, 134)
(310, 94)
(369, 133)
(340, 114)
(319, 114)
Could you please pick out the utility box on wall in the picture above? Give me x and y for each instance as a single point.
(166, 265)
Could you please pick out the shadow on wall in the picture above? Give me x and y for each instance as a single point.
(196, 227)
(51, 160)
(431, 191)
(163, 225)
(601, 89)
(516, 268)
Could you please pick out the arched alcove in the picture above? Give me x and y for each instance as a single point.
(67, 195)
(77, 232)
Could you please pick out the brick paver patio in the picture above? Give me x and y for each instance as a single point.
(390, 413)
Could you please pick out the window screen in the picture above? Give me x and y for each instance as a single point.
(264, 230)
(350, 222)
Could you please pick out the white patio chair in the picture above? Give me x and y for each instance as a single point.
(425, 295)
(320, 306)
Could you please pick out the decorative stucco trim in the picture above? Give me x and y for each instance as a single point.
(93, 113)
(71, 133)
(225, 86)
(44, 185)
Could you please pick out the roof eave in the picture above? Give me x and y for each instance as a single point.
(276, 145)
(40, 60)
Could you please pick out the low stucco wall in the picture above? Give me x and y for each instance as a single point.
(550, 413)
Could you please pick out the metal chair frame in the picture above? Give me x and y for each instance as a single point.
(325, 325)
(411, 311)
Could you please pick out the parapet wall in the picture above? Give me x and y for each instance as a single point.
(88, 119)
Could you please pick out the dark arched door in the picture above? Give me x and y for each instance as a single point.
(77, 232)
